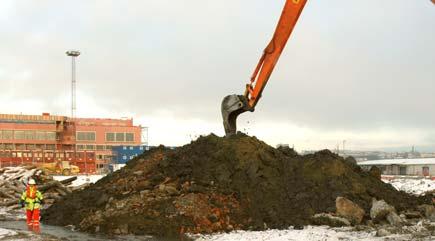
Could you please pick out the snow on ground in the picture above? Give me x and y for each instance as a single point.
(3, 211)
(4, 233)
(6, 213)
(81, 179)
(412, 186)
(312, 233)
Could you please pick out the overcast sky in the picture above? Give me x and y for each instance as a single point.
(363, 71)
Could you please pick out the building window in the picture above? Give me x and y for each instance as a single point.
(40, 135)
(129, 137)
(30, 135)
(90, 147)
(19, 135)
(9, 146)
(50, 147)
(40, 146)
(51, 136)
(108, 147)
(80, 147)
(120, 137)
(30, 146)
(86, 136)
(100, 148)
(402, 170)
(7, 135)
(110, 136)
(20, 147)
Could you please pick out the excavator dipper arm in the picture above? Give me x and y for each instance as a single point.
(234, 105)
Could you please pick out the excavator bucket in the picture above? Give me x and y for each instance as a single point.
(232, 106)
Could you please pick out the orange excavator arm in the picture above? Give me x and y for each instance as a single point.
(289, 17)
(234, 105)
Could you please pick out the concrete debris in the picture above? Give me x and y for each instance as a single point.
(394, 219)
(380, 209)
(349, 210)
(428, 211)
(412, 214)
(382, 232)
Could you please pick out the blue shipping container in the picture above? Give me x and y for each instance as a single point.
(123, 154)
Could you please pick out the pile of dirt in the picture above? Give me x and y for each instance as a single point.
(221, 184)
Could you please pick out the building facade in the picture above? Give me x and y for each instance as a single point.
(45, 138)
(404, 167)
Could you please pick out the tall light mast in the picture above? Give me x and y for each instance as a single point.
(74, 54)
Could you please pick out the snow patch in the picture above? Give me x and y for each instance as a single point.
(81, 179)
(308, 233)
(412, 186)
(4, 233)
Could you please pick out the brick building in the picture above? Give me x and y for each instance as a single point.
(87, 142)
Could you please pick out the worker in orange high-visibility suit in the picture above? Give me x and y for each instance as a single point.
(32, 199)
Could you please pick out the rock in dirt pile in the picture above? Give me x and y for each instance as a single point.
(220, 184)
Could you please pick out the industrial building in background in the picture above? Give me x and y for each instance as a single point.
(92, 144)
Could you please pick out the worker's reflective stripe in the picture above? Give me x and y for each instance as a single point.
(31, 192)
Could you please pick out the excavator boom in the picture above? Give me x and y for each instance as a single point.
(234, 105)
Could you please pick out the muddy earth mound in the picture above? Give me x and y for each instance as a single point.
(221, 184)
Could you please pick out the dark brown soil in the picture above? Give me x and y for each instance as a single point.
(220, 184)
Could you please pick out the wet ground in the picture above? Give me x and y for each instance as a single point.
(13, 227)
(19, 231)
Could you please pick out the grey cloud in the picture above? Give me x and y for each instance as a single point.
(348, 65)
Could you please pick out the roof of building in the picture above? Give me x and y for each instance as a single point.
(21, 117)
(421, 161)
(51, 119)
